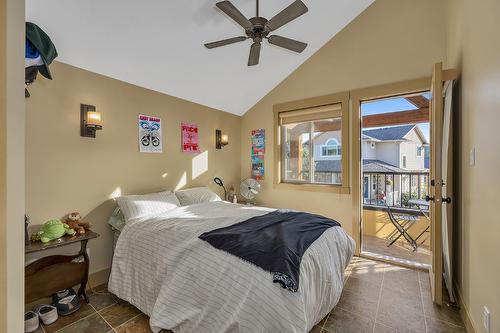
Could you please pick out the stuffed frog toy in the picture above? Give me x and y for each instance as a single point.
(53, 229)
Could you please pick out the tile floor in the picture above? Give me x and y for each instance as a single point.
(400, 250)
(104, 314)
(377, 298)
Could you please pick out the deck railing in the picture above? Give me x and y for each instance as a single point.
(394, 188)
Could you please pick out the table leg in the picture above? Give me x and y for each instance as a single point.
(423, 232)
(86, 259)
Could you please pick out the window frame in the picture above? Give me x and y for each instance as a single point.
(328, 146)
(341, 99)
(419, 151)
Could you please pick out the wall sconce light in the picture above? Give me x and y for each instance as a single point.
(221, 140)
(90, 121)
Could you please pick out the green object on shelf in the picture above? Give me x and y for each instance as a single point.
(54, 229)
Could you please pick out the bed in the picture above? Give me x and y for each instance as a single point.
(186, 285)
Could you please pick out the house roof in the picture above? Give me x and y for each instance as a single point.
(377, 166)
(328, 166)
(369, 166)
(366, 137)
(389, 133)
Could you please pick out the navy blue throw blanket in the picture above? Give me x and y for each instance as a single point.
(275, 242)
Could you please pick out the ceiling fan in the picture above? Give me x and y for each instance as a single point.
(258, 28)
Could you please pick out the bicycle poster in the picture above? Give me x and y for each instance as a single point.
(149, 134)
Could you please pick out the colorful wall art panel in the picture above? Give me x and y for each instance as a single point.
(258, 152)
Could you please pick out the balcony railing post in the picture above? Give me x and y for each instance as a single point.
(385, 187)
(410, 176)
(401, 190)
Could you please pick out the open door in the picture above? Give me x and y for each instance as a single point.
(440, 191)
(435, 190)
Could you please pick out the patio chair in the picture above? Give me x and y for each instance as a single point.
(402, 223)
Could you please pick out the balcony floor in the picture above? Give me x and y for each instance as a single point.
(400, 252)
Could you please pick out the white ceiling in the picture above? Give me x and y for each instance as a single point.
(158, 44)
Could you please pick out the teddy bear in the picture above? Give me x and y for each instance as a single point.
(74, 221)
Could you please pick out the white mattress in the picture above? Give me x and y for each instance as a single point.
(184, 284)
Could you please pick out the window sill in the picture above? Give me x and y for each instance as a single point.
(313, 188)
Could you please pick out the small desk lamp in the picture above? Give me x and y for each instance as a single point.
(219, 182)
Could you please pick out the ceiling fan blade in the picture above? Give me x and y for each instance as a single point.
(233, 12)
(253, 59)
(287, 43)
(290, 13)
(225, 42)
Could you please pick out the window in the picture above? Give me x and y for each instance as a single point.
(310, 141)
(372, 145)
(404, 161)
(300, 151)
(419, 151)
(332, 148)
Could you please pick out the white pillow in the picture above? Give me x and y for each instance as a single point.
(196, 195)
(135, 206)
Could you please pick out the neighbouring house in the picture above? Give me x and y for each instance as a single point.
(394, 163)
(328, 158)
(400, 146)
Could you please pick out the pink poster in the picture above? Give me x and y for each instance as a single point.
(190, 138)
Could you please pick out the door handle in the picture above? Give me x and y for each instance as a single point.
(446, 200)
(428, 198)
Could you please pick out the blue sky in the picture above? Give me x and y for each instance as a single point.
(393, 105)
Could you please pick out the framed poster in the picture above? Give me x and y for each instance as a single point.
(189, 134)
(149, 134)
(258, 152)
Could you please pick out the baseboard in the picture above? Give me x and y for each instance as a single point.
(98, 278)
(464, 311)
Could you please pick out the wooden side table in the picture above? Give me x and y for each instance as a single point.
(50, 274)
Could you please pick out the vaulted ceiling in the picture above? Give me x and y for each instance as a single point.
(158, 44)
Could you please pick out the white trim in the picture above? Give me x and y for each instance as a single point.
(419, 151)
(327, 145)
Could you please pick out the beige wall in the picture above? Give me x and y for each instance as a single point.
(473, 46)
(388, 42)
(3, 167)
(66, 172)
(11, 165)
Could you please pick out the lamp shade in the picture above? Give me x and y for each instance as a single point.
(225, 139)
(94, 119)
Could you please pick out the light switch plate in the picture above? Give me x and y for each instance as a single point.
(472, 157)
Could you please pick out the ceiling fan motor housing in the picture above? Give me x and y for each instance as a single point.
(258, 31)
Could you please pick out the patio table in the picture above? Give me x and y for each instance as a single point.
(423, 206)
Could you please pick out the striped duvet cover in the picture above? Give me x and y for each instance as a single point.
(186, 285)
